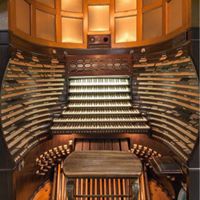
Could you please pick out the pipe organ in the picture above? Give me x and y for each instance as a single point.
(100, 97)
(109, 94)
(113, 75)
(96, 104)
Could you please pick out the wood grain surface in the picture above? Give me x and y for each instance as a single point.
(116, 164)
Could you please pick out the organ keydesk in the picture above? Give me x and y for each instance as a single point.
(95, 97)
(96, 104)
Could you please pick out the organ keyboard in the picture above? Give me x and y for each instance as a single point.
(99, 104)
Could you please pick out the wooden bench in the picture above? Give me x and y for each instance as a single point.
(98, 174)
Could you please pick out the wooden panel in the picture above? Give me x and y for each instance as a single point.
(79, 145)
(44, 192)
(148, 2)
(75, 33)
(50, 3)
(152, 23)
(157, 192)
(86, 145)
(98, 18)
(121, 5)
(124, 145)
(94, 145)
(175, 19)
(126, 29)
(45, 25)
(75, 6)
(116, 145)
(108, 145)
(99, 65)
(23, 17)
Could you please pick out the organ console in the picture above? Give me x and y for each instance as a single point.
(35, 95)
(98, 94)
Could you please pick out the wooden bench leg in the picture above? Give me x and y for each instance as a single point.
(70, 189)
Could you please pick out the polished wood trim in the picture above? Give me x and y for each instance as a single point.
(70, 14)
(185, 12)
(33, 20)
(152, 6)
(112, 21)
(58, 22)
(85, 23)
(150, 41)
(98, 2)
(46, 42)
(44, 8)
(99, 33)
(84, 45)
(11, 15)
(164, 18)
(139, 21)
(189, 9)
(127, 13)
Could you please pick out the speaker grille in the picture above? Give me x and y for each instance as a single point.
(99, 41)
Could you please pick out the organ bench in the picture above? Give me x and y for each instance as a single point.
(102, 167)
